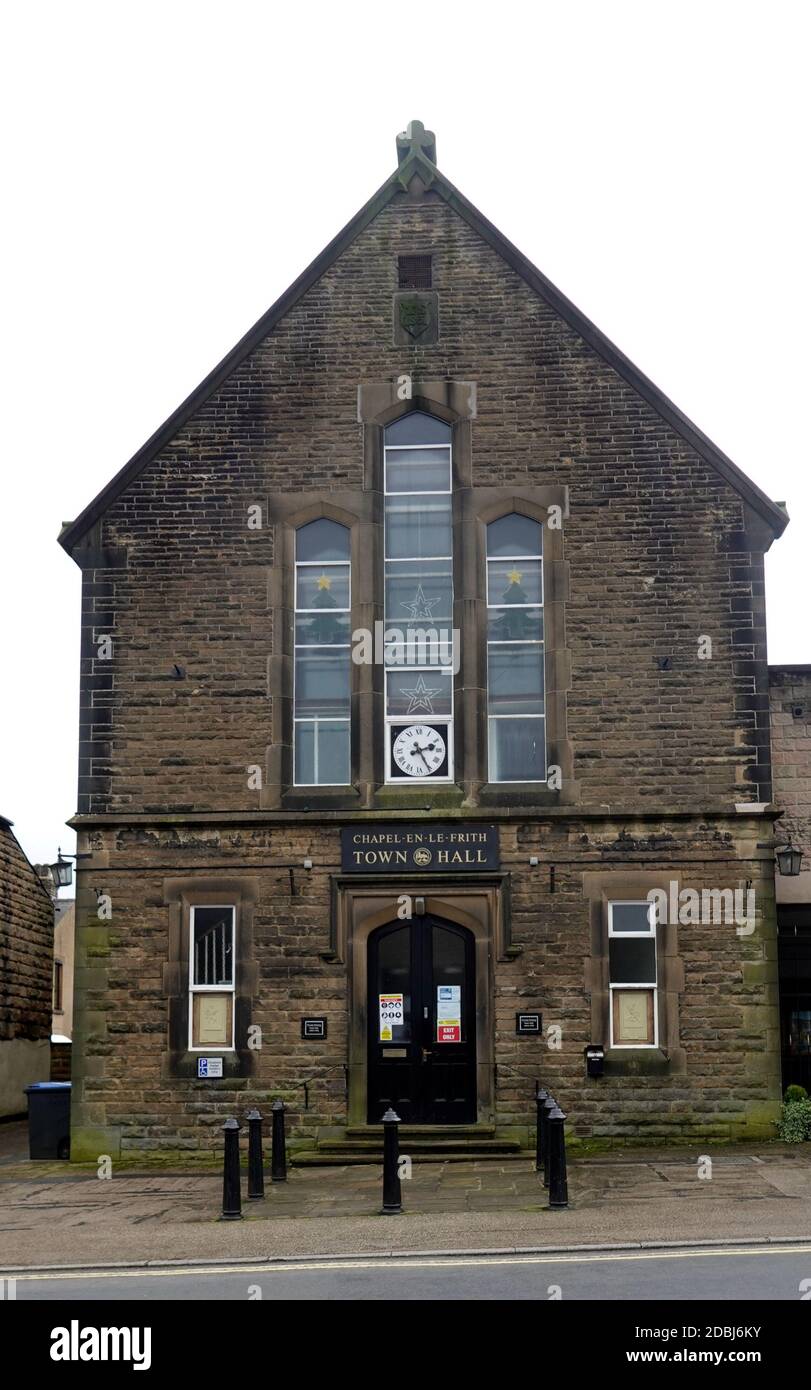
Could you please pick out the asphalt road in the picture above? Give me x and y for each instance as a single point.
(728, 1274)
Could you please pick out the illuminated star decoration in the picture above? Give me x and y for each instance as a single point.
(324, 582)
(421, 609)
(514, 576)
(420, 697)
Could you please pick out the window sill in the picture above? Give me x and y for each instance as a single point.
(320, 799)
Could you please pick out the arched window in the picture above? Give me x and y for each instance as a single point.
(515, 650)
(418, 610)
(323, 666)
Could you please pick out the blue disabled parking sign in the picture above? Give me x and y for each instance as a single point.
(209, 1066)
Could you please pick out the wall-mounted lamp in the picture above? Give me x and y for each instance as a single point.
(62, 870)
(788, 859)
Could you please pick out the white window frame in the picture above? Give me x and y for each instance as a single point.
(323, 647)
(213, 989)
(421, 717)
(647, 987)
(540, 643)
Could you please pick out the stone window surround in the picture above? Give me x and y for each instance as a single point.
(668, 1058)
(207, 890)
(362, 513)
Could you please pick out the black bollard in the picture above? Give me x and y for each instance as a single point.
(392, 1191)
(558, 1186)
(256, 1174)
(278, 1154)
(549, 1104)
(231, 1194)
(540, 1131)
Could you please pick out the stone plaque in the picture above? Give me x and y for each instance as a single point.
(416, 318)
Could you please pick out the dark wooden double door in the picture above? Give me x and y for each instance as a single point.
(422, 1022)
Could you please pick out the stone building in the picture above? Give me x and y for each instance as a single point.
(26, 956)
(325, 857)
(791, 752)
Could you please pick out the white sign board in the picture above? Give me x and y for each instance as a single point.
(392, 1015)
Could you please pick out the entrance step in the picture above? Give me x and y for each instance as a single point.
(429, 1144)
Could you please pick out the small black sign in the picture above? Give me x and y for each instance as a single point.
(314, 1028)
(429, 849)
(528, 1024)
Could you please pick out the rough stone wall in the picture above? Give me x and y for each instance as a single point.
(725, 1082)
(26, 969)
(657, 543)
(26, 946)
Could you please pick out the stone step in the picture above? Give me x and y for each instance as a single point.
(329, 1158)
(429, 1131)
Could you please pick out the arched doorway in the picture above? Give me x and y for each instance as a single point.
(422, 1022)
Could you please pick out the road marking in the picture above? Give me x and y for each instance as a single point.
(395, 1262)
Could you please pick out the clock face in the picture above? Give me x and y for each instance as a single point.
(419, 750)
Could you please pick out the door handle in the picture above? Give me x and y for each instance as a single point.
(426, 1053)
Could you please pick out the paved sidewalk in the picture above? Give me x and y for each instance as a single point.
(52, 1214)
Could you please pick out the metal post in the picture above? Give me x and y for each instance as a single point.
(541, 1095)
(231, 1195)
(278, 1156)
(549, 1104)
(256, 1174)
(392, 1191)
(558, 1186)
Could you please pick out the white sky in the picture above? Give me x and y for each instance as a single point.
(169, 168)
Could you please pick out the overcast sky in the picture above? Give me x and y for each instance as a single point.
(169, 168)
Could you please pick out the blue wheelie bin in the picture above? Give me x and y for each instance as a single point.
(48, 1119)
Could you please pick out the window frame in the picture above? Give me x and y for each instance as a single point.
(651, 989)
(540, 643)
(320, 646)
(420, 717)
(212, 989)
(58, 1004)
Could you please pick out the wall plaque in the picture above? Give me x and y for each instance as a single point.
(429, 849)
(314, 1028)
(528, 1025)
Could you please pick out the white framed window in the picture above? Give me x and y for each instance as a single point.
(515, 650)
(212, 956)
(322, 667)
(632, 974)
(418, 600)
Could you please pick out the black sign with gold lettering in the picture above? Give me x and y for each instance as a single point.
(429, 849)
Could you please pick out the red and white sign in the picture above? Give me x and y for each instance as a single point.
(449, 1032)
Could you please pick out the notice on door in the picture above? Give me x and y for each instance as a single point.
(449, 1013)
(391, 1015)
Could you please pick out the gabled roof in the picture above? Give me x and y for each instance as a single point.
(416, 152)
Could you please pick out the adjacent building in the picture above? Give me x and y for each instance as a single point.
(26, 963)
(424, 726)
(791, 752)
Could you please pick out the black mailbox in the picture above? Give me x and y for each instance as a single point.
(595, 1060)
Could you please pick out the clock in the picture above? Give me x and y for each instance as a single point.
(419, 750)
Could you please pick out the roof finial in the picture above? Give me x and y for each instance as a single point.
(415, 139)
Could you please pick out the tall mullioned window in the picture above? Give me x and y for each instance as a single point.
(419, 651)
(323, 656)
(515, 650)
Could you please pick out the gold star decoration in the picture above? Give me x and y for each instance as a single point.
(324, 582)
(514, 576)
